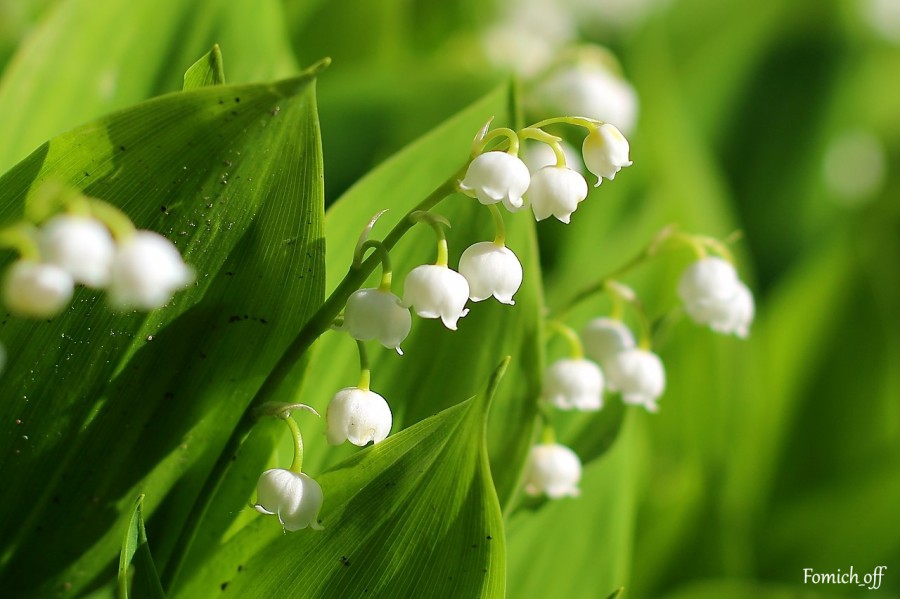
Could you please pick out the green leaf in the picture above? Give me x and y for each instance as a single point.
(414, 516)
(209, 70)
(136, 552)
(98, 407)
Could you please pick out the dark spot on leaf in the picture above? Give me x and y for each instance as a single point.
(223, 586)
(164, 209)
(237, 100)
(474, 545)
(234, 113)
(240, 567)
(169, 395)
(56, 499)
(345, 560)
(229, 274)
(122, 148)
(489, 537)
(87, 174)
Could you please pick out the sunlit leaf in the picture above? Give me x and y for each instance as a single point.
(208, 70)
(136, 553)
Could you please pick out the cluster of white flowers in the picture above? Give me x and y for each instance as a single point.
(714, 295)
(139, 271)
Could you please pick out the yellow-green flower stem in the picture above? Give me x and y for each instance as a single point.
(21, 237)
(297, 463)
(479, 145)
(551, 140)
(578, 121)
(548, 434)
(317, 324)
(436, 222)
(384, 255)
(365, 373)
(115, 220)
(576, 349)
(499, 227)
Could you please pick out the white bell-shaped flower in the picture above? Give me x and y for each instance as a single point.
(375, 314)
(556, 191)
(80, 245)
(294, 497)
(605, 152)
(604, 337)
(359, 416)
(574, 384)
(553, 470)
(491, 270)
(639, 375)
(36, 289)
(435, 291)
(497, 177)
(146, 271)
(714, 295)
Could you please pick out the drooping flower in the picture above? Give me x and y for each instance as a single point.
(146, 271)
(491, 270)
(604, 337)
(639, 375)
(497, 177)
(605, 152)
(36, 289)
(294, 497)
(359, 416)
(714, 295)
(553, 470)
(556, 191)
(435, 291)
(375, 314)
(80, 245)
(574, 384)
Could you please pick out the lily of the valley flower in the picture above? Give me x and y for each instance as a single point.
(37, 290)
(294, 497)
(603, 338)
(556, 191)
(497, 177)
(146, 271)
(491, 270)
(436, 291)
(574, 384)
(605, 152)
(80, 245)
(359, 416)
(714, 295)
(553, 470)
(376, 314)
(639, 375)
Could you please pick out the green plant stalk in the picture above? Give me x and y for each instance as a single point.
(320, 322)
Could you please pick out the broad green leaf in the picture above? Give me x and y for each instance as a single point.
(136, 552)
(209, 70)
(414, 516)
(98, 407)
(146, 47)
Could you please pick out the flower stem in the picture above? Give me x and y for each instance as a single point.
(578, 121)
(297, 463)
(115, 220)
(387, 274)
(551, 140)
(511, 135)
(314, 327)
(576, 349)
(499, 227)
(365, 373)
(436, 222)
(21, 237)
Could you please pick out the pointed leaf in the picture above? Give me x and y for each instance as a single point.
(136, 552)
(209, 70)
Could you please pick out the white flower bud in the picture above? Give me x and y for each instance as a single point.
(437, 292)
(574, 384)
(556, 191)
(491, 269)
(554, 470)
(37, 290)
(713, 295)
(497, 177)
(146, 271)
(376, 314)
(605, 152)
(359, 416)
(81, 246)
(295, 498)
(603, 338)
(639, 375)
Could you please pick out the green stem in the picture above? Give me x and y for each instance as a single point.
(589, 124)
(551, 140)
(317, 324)
(22, 237)
(115, 220)
(365, 373)
(576, 350)
(436, 222)
(297, 463)
(492, 135)
(548, 434)
(499, 227)
(385, 257)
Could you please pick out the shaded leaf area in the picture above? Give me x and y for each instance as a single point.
(144, 581)
(209, 70)
(414, 516)
(438, 364)
(233, 175)
(147, 46)
(580, 547)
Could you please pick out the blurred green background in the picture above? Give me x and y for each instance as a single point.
(780, 119)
